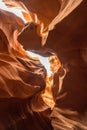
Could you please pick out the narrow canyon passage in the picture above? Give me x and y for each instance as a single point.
(43, 65)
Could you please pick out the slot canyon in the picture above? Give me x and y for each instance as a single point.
(43, 65)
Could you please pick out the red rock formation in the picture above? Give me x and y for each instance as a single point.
(23, 79)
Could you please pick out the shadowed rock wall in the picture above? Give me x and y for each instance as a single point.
(23, 78)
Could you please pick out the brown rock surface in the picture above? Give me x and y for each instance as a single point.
(22, 78)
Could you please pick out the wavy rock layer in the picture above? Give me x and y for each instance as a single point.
(22, 78)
